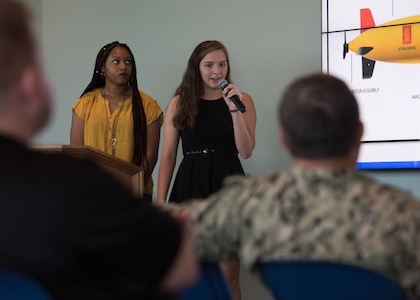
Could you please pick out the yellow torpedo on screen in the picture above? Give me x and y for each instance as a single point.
(397, 41)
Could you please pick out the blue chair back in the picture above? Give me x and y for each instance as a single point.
(317, 280)
(15, 286)
(211, 285)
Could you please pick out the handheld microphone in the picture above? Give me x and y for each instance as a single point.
(235, 99)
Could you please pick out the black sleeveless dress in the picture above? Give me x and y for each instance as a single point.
(210, 153)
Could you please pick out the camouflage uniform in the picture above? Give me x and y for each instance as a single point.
(319, 214)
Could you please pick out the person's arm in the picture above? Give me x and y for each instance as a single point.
(184, 270)
(169, 153)
(243, 123)
(218, 222)
(153, 138)
(77, 130)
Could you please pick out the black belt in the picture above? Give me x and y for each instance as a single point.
(208, 151)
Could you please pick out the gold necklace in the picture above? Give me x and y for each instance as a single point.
(113, 141)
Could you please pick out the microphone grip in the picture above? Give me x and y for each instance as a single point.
(238, 103)
(235, 99)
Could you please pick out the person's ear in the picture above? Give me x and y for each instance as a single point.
(359, 135)
(354, 153)
(283, 140)
(360, 131)
(28, 86)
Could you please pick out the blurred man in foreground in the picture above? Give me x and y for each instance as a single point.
(63, 221)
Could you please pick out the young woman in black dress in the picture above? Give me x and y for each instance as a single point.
(212, 130)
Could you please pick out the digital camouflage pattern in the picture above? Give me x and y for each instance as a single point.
(342, 216)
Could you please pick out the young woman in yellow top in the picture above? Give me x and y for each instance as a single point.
(114, 116)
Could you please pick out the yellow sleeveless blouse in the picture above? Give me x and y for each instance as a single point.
(101, 126)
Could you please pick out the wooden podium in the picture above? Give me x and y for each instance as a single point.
(129, 174)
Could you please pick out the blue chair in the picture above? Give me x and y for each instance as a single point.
(320, 280)
(16, 286)
(210, 286)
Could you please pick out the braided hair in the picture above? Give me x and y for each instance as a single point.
(139, 117)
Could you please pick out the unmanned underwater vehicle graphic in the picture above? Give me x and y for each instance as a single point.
(397, 41)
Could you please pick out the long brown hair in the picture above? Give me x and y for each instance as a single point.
(191, 87)
(139, 117)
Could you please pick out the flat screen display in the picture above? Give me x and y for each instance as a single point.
(374, 46)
